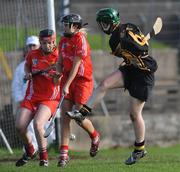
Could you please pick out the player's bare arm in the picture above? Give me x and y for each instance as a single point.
(28, 74)
(72, 74)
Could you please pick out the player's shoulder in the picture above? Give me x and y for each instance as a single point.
(129, 26)
(132, 27)
(79, 35)
(34, 52)
(63, 38)
(62, 41)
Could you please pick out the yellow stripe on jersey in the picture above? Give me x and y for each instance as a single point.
(138, 38)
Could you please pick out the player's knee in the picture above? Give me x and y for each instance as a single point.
(133, 117)
(103, 86)
(38, 126)
(79, 121)
(65, 119)
(19, 128)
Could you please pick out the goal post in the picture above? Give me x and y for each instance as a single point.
(51, 15)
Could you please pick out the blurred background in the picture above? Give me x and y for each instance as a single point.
(22, 18)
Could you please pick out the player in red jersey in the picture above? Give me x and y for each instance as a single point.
(77, 81)
(41, 97)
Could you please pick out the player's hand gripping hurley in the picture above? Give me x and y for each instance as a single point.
(41, 71)
(51, 125)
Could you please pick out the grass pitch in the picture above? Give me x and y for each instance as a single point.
(111, 160)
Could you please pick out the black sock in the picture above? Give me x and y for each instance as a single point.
(139, 146)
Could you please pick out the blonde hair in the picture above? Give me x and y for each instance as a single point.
(84, 31)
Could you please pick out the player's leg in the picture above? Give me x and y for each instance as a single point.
(139, 130)
(114, 80)
(137, 119)
(87, 125)
(42, 115)
(65, 133)
(31, 131)
(22, 121)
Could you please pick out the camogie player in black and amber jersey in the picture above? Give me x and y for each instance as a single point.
(136, 74)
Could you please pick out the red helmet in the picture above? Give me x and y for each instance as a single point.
(47, 35)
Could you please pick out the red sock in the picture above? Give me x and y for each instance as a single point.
(43, 154)
(29, 149)
(94, 134)
(64, 151)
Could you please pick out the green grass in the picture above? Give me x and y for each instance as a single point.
(98, 41)
(9, 43)
(157, 45)
(9, 37)
(111, 160)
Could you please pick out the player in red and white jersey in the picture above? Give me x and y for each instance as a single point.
(41, 98)
(42, 86)
(77, 46)
(77, 81)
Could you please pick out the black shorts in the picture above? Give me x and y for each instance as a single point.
(138, 82)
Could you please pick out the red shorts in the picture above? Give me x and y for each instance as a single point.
(32, 105)
(80, 90)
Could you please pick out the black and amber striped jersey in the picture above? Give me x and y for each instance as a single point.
(127, 41)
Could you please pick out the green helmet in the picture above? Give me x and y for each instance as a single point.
(107, 18)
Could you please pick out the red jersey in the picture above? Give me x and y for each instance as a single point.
(41, 87)
(72, 47)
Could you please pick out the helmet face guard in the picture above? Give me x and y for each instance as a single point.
(106, 27)
(107, 18)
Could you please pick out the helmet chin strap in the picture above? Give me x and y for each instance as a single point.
(68, 35)
(115, 26)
